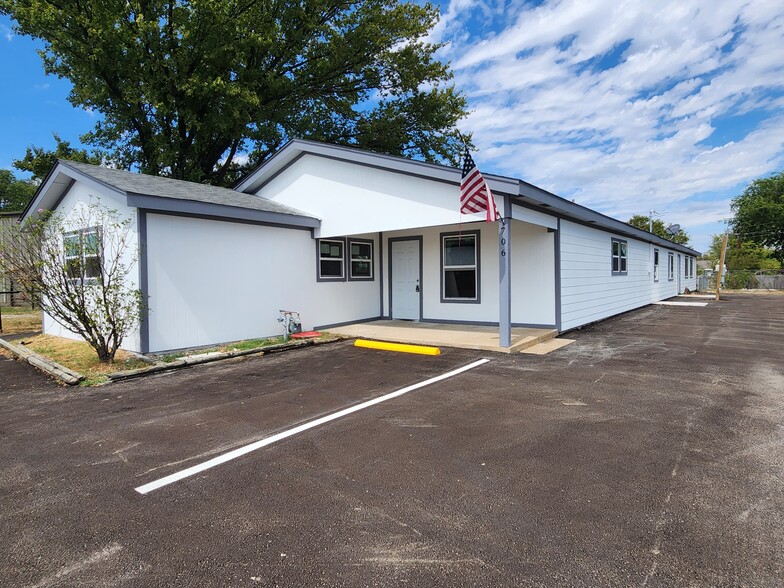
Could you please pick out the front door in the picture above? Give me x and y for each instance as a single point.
(406, 289)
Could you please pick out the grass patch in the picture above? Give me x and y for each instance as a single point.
(9, 310)
(80, 357)
(20, 320)
(252, 344)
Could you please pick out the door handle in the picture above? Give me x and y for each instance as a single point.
(417, 288)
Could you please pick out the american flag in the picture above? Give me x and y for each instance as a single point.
(475, 194)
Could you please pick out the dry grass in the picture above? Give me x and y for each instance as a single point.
(80, 357)
(21, 320)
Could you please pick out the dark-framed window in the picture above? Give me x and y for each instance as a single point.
(331, 259)
(620, 257)
(83, 255)
(670, 267)
(655, 265)
(360, 253)
(460, 267)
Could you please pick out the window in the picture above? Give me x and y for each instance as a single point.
(460, 267)
(619, 257)
(670, 266)
(361, 266)
(655, 265)
(82, 255)
(331, 259)
(691, 267)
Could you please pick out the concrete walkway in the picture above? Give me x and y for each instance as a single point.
(449, 335)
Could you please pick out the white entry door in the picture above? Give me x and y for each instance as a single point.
(406, 289)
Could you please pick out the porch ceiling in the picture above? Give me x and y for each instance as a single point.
(464, 336)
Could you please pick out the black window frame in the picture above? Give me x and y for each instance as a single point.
(623, 258)
(319, 259)
(477, 265)
(350, 260)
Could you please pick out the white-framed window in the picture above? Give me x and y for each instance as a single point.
(620, 257)
(331, 259)
(460, 267)
(83, 255)
(655, 265)
(670, 267)
(360, 259)
(691, 267)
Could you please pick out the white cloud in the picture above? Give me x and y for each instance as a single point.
(7, 32)
(639, 134)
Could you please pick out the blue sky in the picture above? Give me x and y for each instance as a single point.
(624, 107)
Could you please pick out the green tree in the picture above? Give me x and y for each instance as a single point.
(38, 161)
(659, 229)
(742, 254)
(14, 193)
(78, 267)
(185, 87)
(759, 213)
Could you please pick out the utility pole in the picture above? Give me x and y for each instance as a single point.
(721, 265)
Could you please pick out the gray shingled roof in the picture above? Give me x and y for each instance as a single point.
(134, 183)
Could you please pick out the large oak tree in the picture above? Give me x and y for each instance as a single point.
(186, 87)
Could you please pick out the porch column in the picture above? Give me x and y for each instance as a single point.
(504, 277)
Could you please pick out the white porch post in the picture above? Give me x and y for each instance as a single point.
(504, 277)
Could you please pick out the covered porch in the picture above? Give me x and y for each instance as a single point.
(465, 336)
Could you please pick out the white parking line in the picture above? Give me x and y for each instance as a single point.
(235, 453)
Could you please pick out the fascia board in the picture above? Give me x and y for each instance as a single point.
(296, 148)
(212, 210)
(53, 187)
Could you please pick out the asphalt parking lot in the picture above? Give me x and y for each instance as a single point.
(650, 452)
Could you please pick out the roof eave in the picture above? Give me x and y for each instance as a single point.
(213, 210)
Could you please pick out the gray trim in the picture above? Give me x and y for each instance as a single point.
(318, 260)
(621, 242)
(417, 238)
(280, 161)
(344, 323)
(478, 238)
(349, 241)
(524, 193)
(381, 273)
(62, 196)
(221, 211)
(557, 245)
(505, 276)
(144, 323)
(487, 323)
(53, 177)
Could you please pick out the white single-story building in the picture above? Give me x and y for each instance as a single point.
(343, 235)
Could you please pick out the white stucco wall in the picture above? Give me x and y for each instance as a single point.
(533, 277)
(351, 199)
(589, 291)
(212, 281)
(79, 196)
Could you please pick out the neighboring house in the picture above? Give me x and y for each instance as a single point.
(342, 235)
(6, 284)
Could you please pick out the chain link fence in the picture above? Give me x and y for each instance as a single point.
(742, 280)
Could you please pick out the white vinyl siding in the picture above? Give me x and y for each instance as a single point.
(589, 292)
